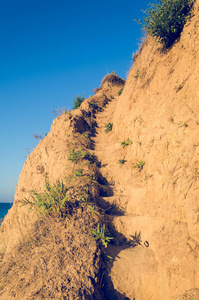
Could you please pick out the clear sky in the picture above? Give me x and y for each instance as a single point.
(50, 52)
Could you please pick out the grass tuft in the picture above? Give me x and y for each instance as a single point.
(100, 236)
(126, 143)
(120, 91)
(75, 156)
(52, 200)
(108, 127)
(139, 165)
(121, 161)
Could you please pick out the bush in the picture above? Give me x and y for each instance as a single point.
(78, 101)
(166, 20)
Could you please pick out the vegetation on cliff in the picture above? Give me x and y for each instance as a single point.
(166, 19)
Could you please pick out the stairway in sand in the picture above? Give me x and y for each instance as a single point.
(119, 185)
(123, 188)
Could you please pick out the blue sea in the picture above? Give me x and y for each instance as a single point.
(4, 207)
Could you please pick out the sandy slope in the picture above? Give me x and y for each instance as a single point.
(159, 112)
(152, 212)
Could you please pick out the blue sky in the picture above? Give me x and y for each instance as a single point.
(50, 52)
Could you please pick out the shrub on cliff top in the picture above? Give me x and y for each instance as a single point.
(166, 20)
(78, 101)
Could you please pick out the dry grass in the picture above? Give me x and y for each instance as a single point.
(51, 262)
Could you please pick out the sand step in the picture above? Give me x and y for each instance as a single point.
(129, 268)
(130, 226)
(114, 205)
(126, 198)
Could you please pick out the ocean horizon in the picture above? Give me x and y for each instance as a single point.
(4, 207)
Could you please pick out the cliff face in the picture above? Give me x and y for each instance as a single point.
(146, 189)
(159, 111)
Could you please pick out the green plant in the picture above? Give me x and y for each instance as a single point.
(52, 200)
(183, 124)
(165, 20)
(108, 127)
(84, 199)
(90, 157)
(137, 73)
(136, 239)
(78, 173)
(92, 208)
(120, 91)
(78, 101)
(100, 236)
(93, 104)
(196, 172)
(126, 143)
(91, 179)
(139, 165)
(85, 136)
(75, 156)
(106, 257)
(121, 161)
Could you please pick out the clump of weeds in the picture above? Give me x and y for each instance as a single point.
(52, 200)
(121, 161)
(100, 235)
(126, 143)
(108, 127)
(183, 124)
(90, 157)
(139, 165)
(78, 173)
(137, 73)
(120, 91)
(75, 156)
(93, 104)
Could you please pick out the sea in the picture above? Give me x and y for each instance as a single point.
(4, 207)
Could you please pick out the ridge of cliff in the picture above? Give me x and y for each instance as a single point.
(47, 244)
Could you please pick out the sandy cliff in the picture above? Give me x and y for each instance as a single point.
(149, 202)
(160, 114)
